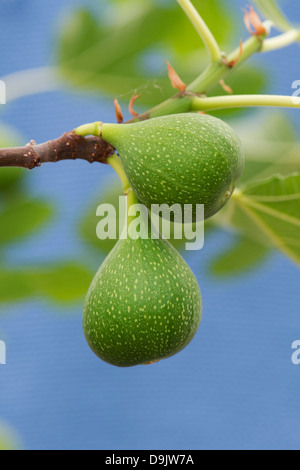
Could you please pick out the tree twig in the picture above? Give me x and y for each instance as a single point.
(244, 101)
(67, 147)
(202, 29)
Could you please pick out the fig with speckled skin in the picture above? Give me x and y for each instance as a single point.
(179, 159)
(144, 304)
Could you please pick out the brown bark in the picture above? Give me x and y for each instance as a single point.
(67, 147)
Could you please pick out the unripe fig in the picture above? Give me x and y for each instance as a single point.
(143, 305)
(179, 159)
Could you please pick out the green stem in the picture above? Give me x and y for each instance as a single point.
(240, 101)
(281, 41)
(89, 129)
(131, 200)
(202, 29)
(208, 80)
(216, 72)
(115, 162)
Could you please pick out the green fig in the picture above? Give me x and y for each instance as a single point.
(144, 304)
(179, 159)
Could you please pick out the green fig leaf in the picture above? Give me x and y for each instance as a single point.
(64, 283)
(271, 147)
(10, 179)
(122, 51)
(244, 255)
(15, 286)
(20, 218)
(268, 212)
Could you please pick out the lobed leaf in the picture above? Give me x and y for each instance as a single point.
(269, 212)
(66, 282)
(15, 286)
(244, 255)
(271, 147)
(20, 218)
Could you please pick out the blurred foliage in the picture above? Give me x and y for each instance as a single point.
(272, 11)
(244, 255)
(10, 179)
(245, 80)
(8, 439)
(272, 206)
(60, 283)
(124, 49)
(271, 145)
(20, 218)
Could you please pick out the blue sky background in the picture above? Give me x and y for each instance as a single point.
(234, 387)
